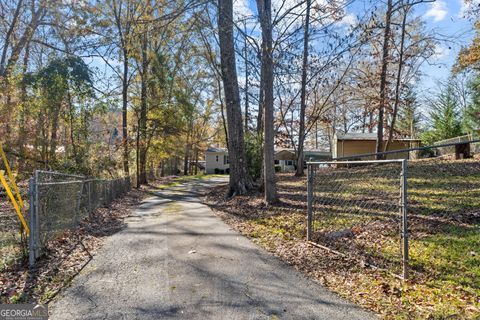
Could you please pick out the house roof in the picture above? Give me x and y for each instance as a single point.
(316, 152)
(309, 151)
(365, 136)
(214, 149)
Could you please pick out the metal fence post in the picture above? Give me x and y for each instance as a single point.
(36, 220)
(31, 209)
(105, 199)
(405, 256)
(89, 200)
(309, 201)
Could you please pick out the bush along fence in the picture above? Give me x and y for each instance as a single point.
(397, 215)
(60, 201)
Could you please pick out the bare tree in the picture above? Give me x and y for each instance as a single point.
(13, 44)
(123, 13)
(383, 79)
(399, 78)
(301, 132)
(265, 13)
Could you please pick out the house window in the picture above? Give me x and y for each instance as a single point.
(289, 162)
(226, 160)
(277, 161)
(216, 158)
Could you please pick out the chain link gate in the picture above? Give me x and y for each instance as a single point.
(359, 209)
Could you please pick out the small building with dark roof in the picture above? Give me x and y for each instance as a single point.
(216, 159)
(354, 144)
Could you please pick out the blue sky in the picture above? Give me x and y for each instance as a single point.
(445, 17)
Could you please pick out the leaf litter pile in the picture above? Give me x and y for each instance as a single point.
(445, 275)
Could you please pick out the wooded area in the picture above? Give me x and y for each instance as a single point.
(97, 97)
(127, 87)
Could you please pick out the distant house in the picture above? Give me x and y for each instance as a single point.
(287, 158)
(216, 159)
(352, 144)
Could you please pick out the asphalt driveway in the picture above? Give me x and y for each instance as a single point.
(176, 259)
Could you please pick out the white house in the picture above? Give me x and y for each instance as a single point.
(216, 160)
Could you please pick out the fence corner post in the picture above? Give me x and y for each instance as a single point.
(405, 255)
(309, 201)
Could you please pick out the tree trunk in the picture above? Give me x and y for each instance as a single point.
(137, 154)
(265, 11)
(301, 134)
(53, 133)
(261, 95)
(185, 160)
(143, 114)
(246, 80)
(188, 146)
(383, 81)
(240, 182)
(126, 169)
(196, 161)
(398, 82)
(222, 111)
(186, 156)
(24, 113)
(72, 128)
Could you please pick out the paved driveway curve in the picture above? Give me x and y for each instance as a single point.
(176, 259)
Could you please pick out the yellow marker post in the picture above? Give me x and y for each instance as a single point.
(10, 176)
(14, 202)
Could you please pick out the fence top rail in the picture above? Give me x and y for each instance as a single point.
(59, 174)
(358, 162)
(443, 145)
(60, 183)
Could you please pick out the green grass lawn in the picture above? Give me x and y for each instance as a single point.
(444, 239)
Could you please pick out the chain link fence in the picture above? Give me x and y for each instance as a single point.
(357, 209)
(61, 201)
(13, 243)
(399, 215)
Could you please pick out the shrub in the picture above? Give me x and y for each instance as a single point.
(278, 168)
(253, 149)
(217, 171)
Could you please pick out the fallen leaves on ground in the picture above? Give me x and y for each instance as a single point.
(281, 229)
(65, 256)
